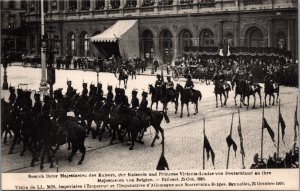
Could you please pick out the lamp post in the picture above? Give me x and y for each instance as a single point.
(97, 67)
(43, 85)
(5, 62)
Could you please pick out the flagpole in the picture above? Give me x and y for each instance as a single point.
(228, 153)
(262, 133)
(295, 125)
(243, 162)
(203, 157)
(278, 135)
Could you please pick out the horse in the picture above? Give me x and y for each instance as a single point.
(185, 98)
(101, 115)
(251, 90)
(155, 95)
(239, 90)
(169, 96)
(271, 87)
(138, 124)
(123, 75)
(221, 88)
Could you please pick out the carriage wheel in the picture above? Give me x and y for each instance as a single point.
(175, 75)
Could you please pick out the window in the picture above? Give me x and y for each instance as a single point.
(32, 6)
(148, 3)
(281, 40)
(23, 4)
(115, 4)
(12, 4)
(54, 4)
(130, 3)
(72, 5)
(255, 37)
(166, 2)
(100, 4)
(85, 5)
(46, 8)
(11, 21)
(186, 1)
(252, 2)
(206, 38)
(71, 44)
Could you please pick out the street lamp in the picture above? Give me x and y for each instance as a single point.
(97, 67)
(5, 62)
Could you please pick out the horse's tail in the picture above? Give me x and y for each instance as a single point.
(200, 96)
(166, 117)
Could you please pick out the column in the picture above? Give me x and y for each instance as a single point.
(156, 6)
(49, 2)
(236, 33)
(92, 5)
(78, 5)
(237, 5)
(270, 33)
(66, 5)
(156, 48)
(290, 36)
(220, 31)
(175, 47)
(138, 5)
(122, 4)
(175, 6)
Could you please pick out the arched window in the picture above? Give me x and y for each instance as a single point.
(85, 5)
(254, 37)
(166, 45)
(99, 4)
(229, 39)
(185, 40)
(71, 44)
(86, 45)
(72, 5)
(207, 38)
(130, 3)
(115, 4)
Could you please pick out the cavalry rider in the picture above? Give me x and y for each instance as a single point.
(134, 100)
(158, 84)
(12, 96)
(84, 93)
(93, 90)
(69, 89)
(118, 97)
(189, 84)
(124, 98)
(37, 107)
(99, 92)
(170, 86)
(110, 94)
(47, 105)
(250, 81)
(143, 111)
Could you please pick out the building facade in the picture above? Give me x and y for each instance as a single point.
(166, 27)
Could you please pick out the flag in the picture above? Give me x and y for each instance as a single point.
(162, 163)
(230, 142)
(209, 149)
(241, 140)
(282, 124)
(271, 132)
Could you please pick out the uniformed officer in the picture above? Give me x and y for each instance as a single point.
(118, 97)
(170, 84)
(69, 89)
(37, 107)
(143, 111)
(84, 90)
(124, 98)
(12, 96)
(110, 94)
(189, 84)
(144, 102)
(47, 106)
(134, 100)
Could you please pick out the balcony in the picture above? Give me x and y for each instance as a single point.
(165, 7)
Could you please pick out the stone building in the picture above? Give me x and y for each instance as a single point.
(166, 27)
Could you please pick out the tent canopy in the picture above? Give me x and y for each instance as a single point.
(122, 39)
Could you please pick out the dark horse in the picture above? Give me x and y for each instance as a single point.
(14, 125)
(137, 124)
(249, 90)
(123, 75)
(271, 87)
(221, 88)
(169, 96)
(101, 115)
(155, 95)
(185, 98)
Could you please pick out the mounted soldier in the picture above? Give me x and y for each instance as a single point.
(99, 92)
(124, 98)
(118, 97)
(46, 108)
(134, 100)
(84, 93)
(69, 89)
(189, 85)
(158, 86)
(37, 107)
(93, 90)
(12, 97)
(170, 86)
(110, 94)
(143, 111)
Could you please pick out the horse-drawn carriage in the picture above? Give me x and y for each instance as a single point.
(31, 60)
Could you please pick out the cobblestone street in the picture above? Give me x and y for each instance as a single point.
(183, 136)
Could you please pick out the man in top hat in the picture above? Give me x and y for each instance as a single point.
(189, 84)
(37, 107)
(134, 100)
(110, 94)
(69, 89)
(12, 96)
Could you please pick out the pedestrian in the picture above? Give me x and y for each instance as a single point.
(155, 64)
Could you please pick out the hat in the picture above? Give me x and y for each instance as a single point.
(122, 91)
(109, 88)
(134, 92)
(99, 85)
(144, 94)
(69, 82)
(117, 90)
(158, 76)
(84, 84)
(11, 88)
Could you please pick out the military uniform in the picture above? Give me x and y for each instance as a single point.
(110, 94)
(84, 90)
(99, 92)
(134, 100)
(142, 112)
(189, 85)
(69, 89)
(37, 107)
(12, 97)
(47, 106)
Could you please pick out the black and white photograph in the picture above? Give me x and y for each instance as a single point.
(149, 85)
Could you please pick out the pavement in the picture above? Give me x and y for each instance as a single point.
(183, 136)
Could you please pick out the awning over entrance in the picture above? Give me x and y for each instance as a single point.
(122, 38)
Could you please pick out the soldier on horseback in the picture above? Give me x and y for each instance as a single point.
(158, 84)
(84, 93)
(93, 90)
(124, 98)
(189, 85)
(37, 107)
(99, 92)
(134, 100)
(47, 106)
(12, 96)
(110, 94)
(69, 89)
(170, 86)
(143, 111)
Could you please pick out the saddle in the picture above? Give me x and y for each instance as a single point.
(143, 117)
